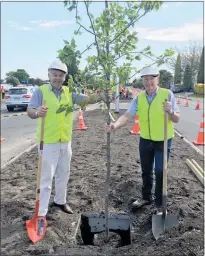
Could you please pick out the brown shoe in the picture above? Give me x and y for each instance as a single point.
(64, 207)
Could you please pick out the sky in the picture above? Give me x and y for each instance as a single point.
(33, 32)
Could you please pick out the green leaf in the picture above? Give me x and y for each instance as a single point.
(61, 109)
(66, 42)
(137, 57)
(69, 110)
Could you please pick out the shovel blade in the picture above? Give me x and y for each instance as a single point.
(36, 232)
(161, 223)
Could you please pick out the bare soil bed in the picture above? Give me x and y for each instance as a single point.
(86, 194)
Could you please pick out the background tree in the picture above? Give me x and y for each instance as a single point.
(11, 74)
(38, 81)
(12, 80)
(20, 74)
(2, 81)
(190, 55)
(178, 71)
(200, 76)
(31, 81)
(138, 83)
(166, 79)
(187, 80)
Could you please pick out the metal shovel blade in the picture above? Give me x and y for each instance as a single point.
(34, 232)
(160, 223)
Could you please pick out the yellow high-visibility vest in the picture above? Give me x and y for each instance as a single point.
(151, 116)
(58, 126)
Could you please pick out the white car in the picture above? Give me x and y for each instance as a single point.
(18, 97)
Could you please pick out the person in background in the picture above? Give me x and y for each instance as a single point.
(2, 92)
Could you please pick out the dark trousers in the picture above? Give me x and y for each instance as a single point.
(151, 157)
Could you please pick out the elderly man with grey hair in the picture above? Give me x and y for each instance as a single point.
(150, 106)
(57, 134)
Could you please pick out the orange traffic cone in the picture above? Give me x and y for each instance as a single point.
(136, 128)
(178, 100)
(186, 103)
(200, 138)
(81, 124)
(198, 105)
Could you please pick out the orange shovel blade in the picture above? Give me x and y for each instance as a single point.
(36, 232)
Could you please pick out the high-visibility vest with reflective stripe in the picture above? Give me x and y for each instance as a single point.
(151, 116)
(58, 126)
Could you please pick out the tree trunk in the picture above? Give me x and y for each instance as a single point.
(108, 138)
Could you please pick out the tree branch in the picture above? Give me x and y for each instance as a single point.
(123, 44)
(94, 33)
(135, 52)
(128, 25)
(86, 49)
(76, 15)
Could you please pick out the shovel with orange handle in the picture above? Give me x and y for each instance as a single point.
(36, 227)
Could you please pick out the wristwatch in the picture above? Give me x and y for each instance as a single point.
(36, 114)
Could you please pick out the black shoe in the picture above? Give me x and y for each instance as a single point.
(64, 207)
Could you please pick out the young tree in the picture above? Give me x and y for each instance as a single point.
(200, 76)
(114, 40)
(187, 81)
(166, 79)
(178, 71)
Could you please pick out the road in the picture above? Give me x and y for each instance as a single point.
(19, 131)
(190, 120)
(19, 134)
(5, 113)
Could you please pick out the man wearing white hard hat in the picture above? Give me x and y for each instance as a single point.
(57, 134)
(150, 106)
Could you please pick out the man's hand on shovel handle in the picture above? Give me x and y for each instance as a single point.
(42, 111)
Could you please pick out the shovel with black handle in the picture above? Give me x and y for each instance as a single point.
(162, 222)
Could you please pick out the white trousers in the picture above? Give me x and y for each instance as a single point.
(55, 162)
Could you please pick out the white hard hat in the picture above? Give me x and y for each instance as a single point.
(150, 71)
(57, 64)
